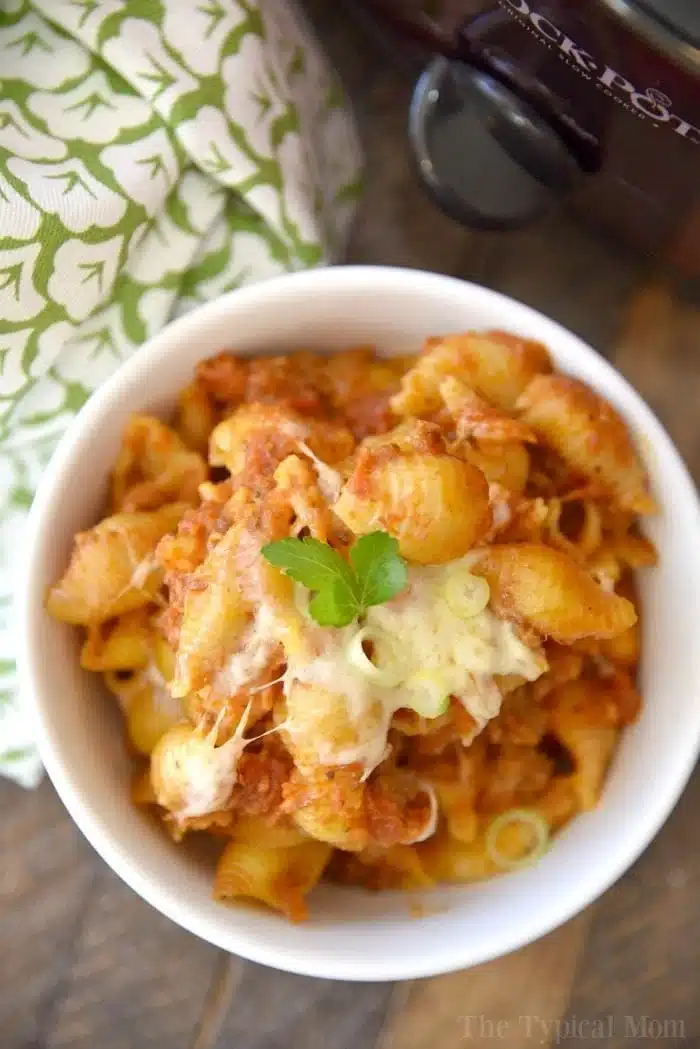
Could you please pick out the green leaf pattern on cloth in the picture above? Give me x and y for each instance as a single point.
(154, 154)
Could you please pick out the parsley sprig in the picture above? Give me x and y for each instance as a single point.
(375, 573)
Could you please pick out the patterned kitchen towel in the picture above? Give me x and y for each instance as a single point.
(153, 155)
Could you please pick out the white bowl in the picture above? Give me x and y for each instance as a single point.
(354, 935)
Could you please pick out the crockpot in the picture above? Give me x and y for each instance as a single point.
(520, 104)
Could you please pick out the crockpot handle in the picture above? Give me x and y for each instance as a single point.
(484, 153)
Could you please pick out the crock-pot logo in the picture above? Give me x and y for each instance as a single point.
(650, 104)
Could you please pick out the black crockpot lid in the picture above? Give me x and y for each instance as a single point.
(682, 17)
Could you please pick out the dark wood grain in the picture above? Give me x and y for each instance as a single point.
(642, 957)
(47, 875)
(658, 350)
(84, 961)
(272, 1009)
(134, 978)
(86, 965)
(491, 1003)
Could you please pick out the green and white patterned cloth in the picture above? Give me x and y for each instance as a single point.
(153, 155)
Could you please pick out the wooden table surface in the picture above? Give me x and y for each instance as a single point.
(85, 964)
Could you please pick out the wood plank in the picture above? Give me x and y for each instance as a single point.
(272, 1009)
(642, 957)
(217, 1002)
(412, 232)
(47, 876)
(135, 978)
(574, 275)
(515, 1001)
(86, 964)
(397, 224)
(658, 350)
(569, 273)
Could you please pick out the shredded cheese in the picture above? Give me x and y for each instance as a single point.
(330, 482)
(207, 773)
(419, 630)
(434, 645)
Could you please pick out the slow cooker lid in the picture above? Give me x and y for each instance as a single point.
(681, 17)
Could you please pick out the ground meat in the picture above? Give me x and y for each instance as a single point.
(368, 415)
(291, 380)
(261, 779)
(396, 811)
(224, 378)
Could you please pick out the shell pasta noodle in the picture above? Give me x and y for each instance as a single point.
(373, 620)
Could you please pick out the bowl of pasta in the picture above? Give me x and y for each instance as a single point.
(356, 618)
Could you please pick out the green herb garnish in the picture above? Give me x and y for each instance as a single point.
(344, 590)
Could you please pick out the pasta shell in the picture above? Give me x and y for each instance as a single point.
(545, 589)
(436, 506)
(123, 645)
(280, 877)
(215, 613)
(328, 805)
(587, 432)
(110, 570)
(475, 418)
(591, 745)
(497, 365)
(260, 436)
(154, 466)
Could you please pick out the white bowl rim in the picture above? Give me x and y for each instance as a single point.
(107, 844)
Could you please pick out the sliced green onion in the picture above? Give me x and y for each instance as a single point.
(433, 816)
(386, 674)
(428, 694)
(467, 595)
(528, 818)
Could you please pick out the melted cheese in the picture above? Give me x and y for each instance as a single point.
(210, 778)
(194, 776)
(343, 720)
(433, 645)
(336, 714)
(143, 570)
(501, 513)
(256, 649)
(330, 482)
(162, 697)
